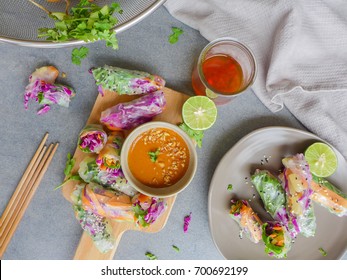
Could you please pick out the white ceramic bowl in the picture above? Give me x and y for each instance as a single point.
(165, 191)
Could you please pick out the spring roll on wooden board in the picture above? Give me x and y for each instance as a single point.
(172, 114)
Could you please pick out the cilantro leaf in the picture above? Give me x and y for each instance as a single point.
(78, 54)
(323, 252)
(140, 215)
(176, 32)
(154, 155)
(230, 187)
(196, 135)
(150, 256)
(86, 21)
(69, 165)
(176, 248)
(72, 177)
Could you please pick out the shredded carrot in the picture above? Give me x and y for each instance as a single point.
(277, 228)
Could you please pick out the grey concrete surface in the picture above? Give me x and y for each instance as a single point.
(48, 229)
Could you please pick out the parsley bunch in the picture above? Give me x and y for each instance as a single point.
(86, 21)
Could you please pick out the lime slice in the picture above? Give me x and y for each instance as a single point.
(321, 159)
(199, 112)
(210, 93)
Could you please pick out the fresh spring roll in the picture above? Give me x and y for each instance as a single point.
(109, 157)
(296, 182)
(96, 226)
(92, 138)
(147, 209)
(277, 239)
(107, 203)
(125, 81)
(89, 171)
(247, 219)
(131, 114)
(328, 196)
(272, 194)
(42, 89)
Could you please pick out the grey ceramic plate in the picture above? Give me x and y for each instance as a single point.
(235, 168)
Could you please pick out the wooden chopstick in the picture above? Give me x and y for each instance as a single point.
(18, 213)
(19, 199)
(19, 188)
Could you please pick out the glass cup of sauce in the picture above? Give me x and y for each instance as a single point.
(225, 69)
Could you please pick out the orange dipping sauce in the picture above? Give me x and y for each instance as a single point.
(158, 157)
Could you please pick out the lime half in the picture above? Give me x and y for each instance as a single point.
(199, 112)
(321, 159)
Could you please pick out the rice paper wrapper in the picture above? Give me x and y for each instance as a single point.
(107, 203)
(297, 185)
(90, 171)
(147, 209)
(109, 156)
(329, 196)
(42, 89)
(272, 194)
(123, 81)
(92, 139)
(248, 221)
(95, 225)
(131, 114)
(277, 239)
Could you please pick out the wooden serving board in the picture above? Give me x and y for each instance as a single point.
(172, 114)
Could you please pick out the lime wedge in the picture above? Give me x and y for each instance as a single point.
(199, 112)
(210, 93)
(321, 159)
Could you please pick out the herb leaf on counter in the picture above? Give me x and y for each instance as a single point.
(176, 32)
(323, 252)
(196, 135)
(175, 248)
(150, 256)
(78, 54)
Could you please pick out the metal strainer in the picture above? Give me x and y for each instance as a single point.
(20, 19)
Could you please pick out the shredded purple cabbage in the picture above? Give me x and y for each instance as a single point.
(154, 211)
(151, 211)
(186, 224)
(47, 94)
(131, 114)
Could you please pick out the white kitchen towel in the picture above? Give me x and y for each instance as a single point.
(301, 51)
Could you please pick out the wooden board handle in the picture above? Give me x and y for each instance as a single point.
(86, 249)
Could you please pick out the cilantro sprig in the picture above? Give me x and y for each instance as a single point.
(196, 135)
(176, 32)
(86, 21)
(78, 54)
(140, 215)
(154, 155)
(70, 163)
